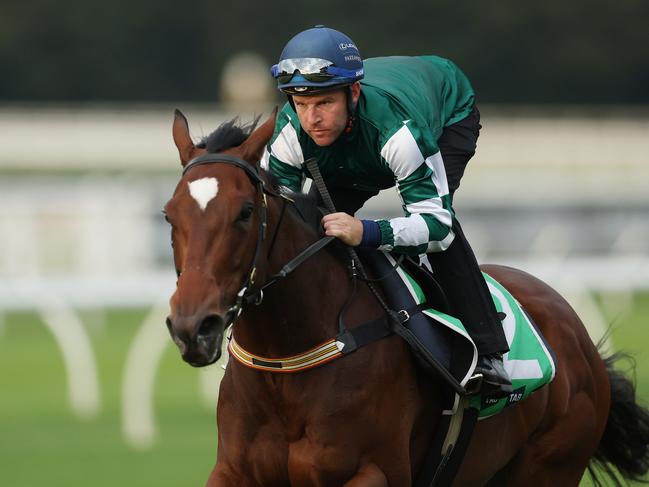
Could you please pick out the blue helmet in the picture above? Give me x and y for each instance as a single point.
(317, 60)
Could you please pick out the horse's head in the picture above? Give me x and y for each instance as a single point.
(215, 220)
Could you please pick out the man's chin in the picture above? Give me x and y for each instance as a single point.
(322, 139)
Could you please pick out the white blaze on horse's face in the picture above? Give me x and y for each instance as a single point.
(203, 191)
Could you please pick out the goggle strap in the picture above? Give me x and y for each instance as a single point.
(345, 73)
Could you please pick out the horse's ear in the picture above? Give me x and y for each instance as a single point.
(182, 139)
(255, 144)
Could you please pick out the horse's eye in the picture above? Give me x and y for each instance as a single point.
(246, 212)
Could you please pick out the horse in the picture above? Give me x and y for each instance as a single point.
(366, 419)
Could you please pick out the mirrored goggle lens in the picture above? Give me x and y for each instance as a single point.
(315, 70)
(305, 65)
(314, 78)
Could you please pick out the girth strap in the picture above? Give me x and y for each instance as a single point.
(376, 329)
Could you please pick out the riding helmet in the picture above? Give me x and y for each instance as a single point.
(317, 60)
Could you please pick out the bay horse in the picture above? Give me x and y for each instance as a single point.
(364, 420)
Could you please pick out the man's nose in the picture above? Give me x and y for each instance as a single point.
(313, 116)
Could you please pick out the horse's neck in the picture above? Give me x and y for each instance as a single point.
(300, 311)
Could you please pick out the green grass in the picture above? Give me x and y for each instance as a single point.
(43, 443)
(631, 333)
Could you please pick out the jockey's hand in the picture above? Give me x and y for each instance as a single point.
(344, 226)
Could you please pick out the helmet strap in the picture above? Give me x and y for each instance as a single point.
(289, 97)
(351, 110)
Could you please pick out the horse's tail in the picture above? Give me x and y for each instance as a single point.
(625, 443)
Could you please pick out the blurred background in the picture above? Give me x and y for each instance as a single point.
(91, 390)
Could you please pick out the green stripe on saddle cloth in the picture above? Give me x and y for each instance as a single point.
(529, 362)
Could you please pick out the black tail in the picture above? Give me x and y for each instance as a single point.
(625, 443)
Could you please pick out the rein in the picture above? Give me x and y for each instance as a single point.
(346, 341)
(357, 266)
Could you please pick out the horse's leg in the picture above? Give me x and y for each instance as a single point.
(565, 432)
(218, 479)
(221, 478)
(368, 476)
(555, 454)
(574, 438)
(558, 428)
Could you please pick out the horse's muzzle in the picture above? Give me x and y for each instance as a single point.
(198, 339)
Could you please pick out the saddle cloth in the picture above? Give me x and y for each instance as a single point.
(530, 361)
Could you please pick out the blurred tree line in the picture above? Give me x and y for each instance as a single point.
(556, 51)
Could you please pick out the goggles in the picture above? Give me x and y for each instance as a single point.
(315, 70)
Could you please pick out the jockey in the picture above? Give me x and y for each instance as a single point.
(409, 121)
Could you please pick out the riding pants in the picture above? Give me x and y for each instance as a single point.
(456, 268)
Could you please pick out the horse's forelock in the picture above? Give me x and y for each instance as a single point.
(229, 134)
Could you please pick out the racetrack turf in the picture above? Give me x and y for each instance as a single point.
(43, 443)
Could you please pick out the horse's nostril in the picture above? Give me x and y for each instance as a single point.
(210, 325)
(170, 325)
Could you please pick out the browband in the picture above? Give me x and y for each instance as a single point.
(250, 170)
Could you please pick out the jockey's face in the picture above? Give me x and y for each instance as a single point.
(324, 116)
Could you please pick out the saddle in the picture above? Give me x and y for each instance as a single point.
(530, 361)
(441, 345)
(441, 342)
(409, 286)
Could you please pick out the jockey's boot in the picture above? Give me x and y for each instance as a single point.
(494, 376)
(457, 271)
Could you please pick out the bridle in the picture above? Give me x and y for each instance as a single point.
(347, 340)
(247, 295)
(243, 296)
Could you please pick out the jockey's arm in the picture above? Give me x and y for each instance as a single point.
(425, 228)
(421, 182)
(416, 162)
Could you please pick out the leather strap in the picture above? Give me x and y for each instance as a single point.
(250, 170)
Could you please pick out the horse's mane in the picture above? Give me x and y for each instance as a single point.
(229, 134)
(308, 210)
